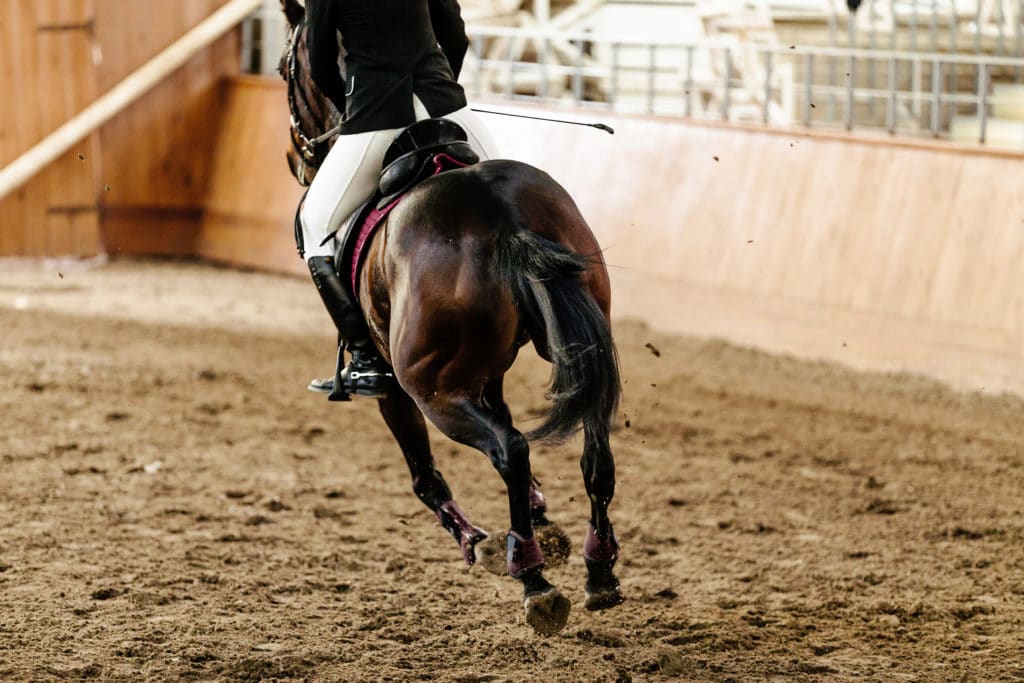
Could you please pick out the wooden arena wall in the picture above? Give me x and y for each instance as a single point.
(252, 197)
(881, 255)
(137, 185)
(47, 76)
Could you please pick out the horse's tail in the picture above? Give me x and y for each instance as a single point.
(549, 292)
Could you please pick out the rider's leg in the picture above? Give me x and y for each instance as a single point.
(345, 180)
(367, 374)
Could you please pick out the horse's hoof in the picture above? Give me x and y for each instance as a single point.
(554, 543)
(603, 598)
(547, 611)
(492, 554)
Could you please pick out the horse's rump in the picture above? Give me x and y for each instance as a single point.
(548, 287)
(491, 255)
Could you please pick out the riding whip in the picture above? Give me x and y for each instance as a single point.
(599, 126)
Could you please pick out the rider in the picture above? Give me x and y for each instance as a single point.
(402, 61)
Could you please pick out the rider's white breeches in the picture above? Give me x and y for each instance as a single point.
(349, 175)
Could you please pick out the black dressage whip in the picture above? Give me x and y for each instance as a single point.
(599, 126)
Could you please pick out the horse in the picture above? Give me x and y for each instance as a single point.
(473, 265)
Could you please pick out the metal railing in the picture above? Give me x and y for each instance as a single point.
(900, 92)
(963, 26)
(955, 96)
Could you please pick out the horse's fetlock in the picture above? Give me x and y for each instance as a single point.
(601, 548)
(524, 555)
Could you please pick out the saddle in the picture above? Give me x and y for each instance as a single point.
(423, 150)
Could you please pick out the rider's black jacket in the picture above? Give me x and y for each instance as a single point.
(393, 50)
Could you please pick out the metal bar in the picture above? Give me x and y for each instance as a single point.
(248, 48)
(652, 65)
(933, 26)
(971, 65)
(916, 77)
(1018, 42)
(890, 112)
(577, 77)
(765, 116)
(689, 82)
(982, 103)
(833, 19)
(954, 21)
(850, 76)
(936, 96)
(1000, 44)
(977, 27)
(511, 57)
(542, 67)
(808, 87)
(892, 29)
(873, 63)
(833, 40)
(913, 26)
(892, 47)
(952, 90)
(728, 85)
(851, 31)
(273, 39)
(613, 87)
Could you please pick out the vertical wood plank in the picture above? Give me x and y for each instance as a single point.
(46, 58)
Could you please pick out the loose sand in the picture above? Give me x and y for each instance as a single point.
(175, 505)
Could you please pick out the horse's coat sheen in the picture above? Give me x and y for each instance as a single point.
(470, 266)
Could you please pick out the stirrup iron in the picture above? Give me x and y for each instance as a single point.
(339, 393)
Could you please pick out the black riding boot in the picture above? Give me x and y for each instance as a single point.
(367, 374)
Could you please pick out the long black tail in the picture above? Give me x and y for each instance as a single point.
(546, 283)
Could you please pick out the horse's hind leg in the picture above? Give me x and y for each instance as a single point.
(554, 542)
(600, 550)
(406, 422)
(488, 428)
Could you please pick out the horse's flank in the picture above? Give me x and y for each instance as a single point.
(439, 285)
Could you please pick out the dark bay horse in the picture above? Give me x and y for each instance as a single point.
(474, 264)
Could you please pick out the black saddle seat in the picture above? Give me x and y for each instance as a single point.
(412, 152)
